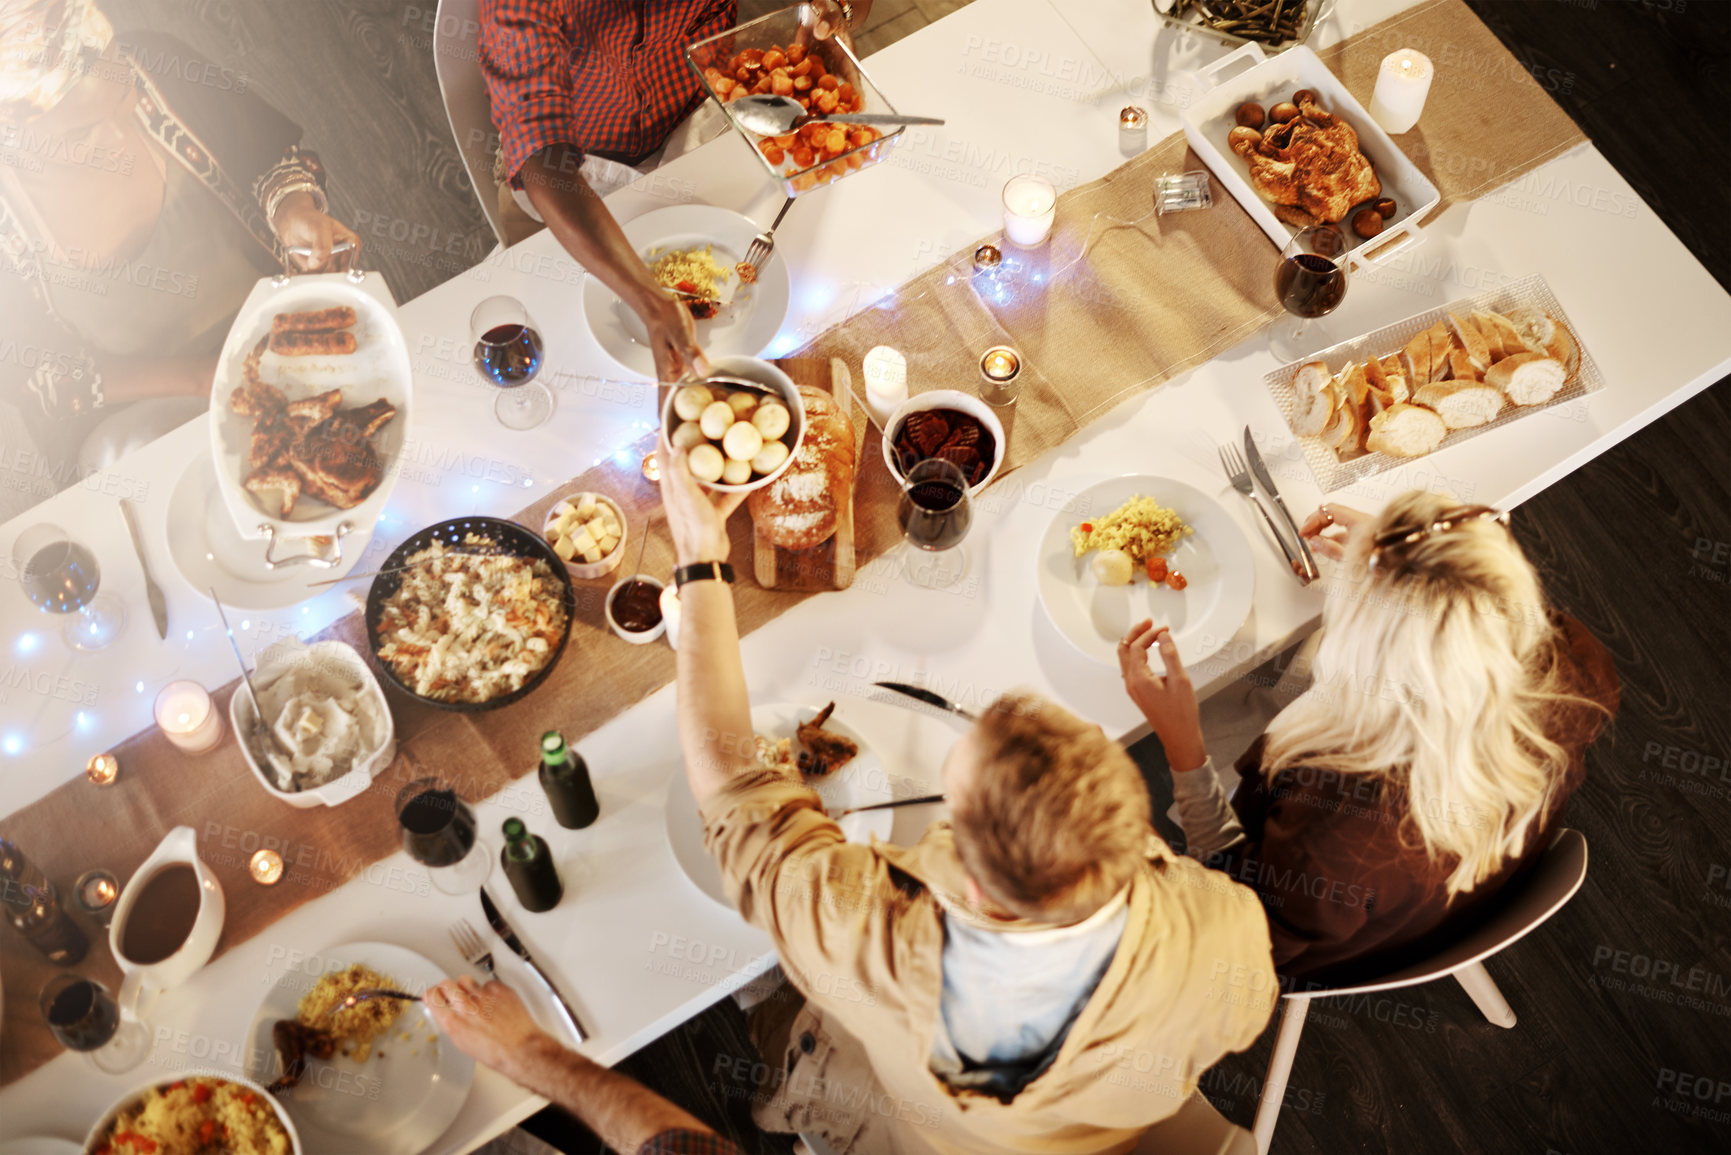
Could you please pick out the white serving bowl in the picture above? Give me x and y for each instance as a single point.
(277, 662)
(642, 637)
(763, 373)
(609, 563)
(945, 399)
(162, 1080)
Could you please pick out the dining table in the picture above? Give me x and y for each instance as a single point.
(1025, 86)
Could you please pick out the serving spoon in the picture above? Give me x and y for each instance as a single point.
(769, 115)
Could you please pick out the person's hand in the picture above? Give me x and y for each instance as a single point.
(1169, 701)
(488, 1023)
(698, 524)
(1316, 527)
(300, 224)
(829, 21)
(672, 338)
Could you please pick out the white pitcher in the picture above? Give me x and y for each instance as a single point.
(180, 845)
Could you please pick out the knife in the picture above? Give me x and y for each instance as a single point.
(152, 591)
(1260, 469)
(919, 694)
(510, 939)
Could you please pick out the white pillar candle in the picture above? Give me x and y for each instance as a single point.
(1030, 204)
(188, 717)
(886, 382)
(1401, 87)
(670, 612)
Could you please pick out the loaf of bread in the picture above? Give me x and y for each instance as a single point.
(798, 509)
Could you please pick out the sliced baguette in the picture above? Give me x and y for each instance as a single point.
(1462, 367)
(1310, 420)
(1470, 340)
(1406, 431)
(1493, 337)
(1394, 373)
(1461, 404)
(1528, 378)
(1339, 428)
(1562, 347)
(1507, 334)
(1535, 328)
(1311, 379)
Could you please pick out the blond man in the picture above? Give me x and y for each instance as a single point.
(1041, 974)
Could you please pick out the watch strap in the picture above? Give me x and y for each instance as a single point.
(702, 571)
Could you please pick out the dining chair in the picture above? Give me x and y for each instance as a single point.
(1519, 909)
(457, 63)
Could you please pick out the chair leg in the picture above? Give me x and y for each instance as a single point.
(1477, 982)
(1292, 1013)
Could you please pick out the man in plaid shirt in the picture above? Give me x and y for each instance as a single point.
(571, 78)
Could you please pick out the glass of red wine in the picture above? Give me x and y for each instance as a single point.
(439, 833)
(1310, 282)
(61, 577)
(83, 1016)
(935, 512)
(508, 354)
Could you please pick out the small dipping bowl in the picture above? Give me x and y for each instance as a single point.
(638, 637)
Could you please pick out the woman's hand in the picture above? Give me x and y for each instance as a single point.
(830, 21)
(488, 1023)
(300, 224)
(672, 337)
(1328, 517)
(698, 524)
(1169, 701)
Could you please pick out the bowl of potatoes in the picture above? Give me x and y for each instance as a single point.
(741, 426)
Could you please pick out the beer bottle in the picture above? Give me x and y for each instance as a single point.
(529, 865)
(32, 907)
(565, 778)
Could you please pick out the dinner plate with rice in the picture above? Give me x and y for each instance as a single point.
(1097, 557)
(699, 246)
(393, 1083)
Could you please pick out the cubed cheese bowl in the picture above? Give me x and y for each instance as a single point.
(587, 530)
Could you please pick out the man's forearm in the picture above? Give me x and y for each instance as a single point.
(714, 707)
(622, 1112)
(580, 220)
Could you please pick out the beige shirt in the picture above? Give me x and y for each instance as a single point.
(860, 932)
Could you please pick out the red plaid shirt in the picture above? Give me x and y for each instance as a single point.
(603, 76)
(688, 1143)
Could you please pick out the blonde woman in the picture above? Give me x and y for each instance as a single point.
(1428, 761)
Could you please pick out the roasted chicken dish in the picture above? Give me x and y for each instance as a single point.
(1309, 165)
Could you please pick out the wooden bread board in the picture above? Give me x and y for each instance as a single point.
(832, 564)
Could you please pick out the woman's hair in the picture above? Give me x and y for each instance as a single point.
(1437, 671)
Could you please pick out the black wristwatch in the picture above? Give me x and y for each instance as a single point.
(702, 571)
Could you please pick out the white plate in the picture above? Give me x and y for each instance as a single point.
(1203, 616)
(747, 326)
(398, 1101)
(208, 552)
(861, 782)
(378, 368)
(40, 1145)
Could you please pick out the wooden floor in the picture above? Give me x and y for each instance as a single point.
(1625, 997)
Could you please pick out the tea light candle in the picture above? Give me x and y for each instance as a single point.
(1000, 366)
(651, 468)
(102, 769)
(1030, 205)
(96, 891)
(188, 718)
(1132, 130)
(266, 867)
(886, 382)
(1402, 84)
(670, 612)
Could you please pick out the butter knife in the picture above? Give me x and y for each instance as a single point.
(919, 694)
(1260, 469)
(152, 591)
(509, 937)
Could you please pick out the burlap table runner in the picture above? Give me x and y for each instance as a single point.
(1149, 300)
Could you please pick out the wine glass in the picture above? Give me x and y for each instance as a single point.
(61, 577)
(439, 833)
(935, 512)
(83, 1015)
(508, 354)
(1310, 282)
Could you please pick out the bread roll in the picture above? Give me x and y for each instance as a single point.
(798, 509)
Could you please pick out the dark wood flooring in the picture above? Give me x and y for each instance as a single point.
(1606, 1058)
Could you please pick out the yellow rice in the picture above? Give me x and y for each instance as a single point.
(245, 1122)
(697, 266)
(1141, 527)
(356, 1028)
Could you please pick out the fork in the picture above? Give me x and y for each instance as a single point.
(763, 244)
(469, 944)
(1232, 461)
(368, 996)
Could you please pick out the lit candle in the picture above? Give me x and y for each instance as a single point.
(886, 382)
(651, 468)
(1030, 204)
(987, 258)
(102, 769)
(188, 718)
(1401, 87)
(670, 614)
(96, 891)
(1132, 130)
(266, 867)
(1000, 366)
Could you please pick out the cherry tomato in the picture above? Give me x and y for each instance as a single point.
(1176, 580)
(1156, 569)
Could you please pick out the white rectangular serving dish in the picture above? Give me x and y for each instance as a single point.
(1530, 292)
(1270, 80)
(378, 368)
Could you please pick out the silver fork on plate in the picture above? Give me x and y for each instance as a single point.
(764, 243)
(469, 944)
(1232, 461)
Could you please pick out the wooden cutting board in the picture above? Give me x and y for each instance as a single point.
(832, 564)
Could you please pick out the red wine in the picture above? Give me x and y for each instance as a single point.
(1309, 285)
(61, 577)
(438, 828)
(82, 1016)
(935, 514)
(509, 355)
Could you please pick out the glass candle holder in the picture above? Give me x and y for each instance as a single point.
(188, 718)
(95, 892)
(1030, 206)
(102, 769)
(886, 382)
(1000, 374)
(265, 867)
